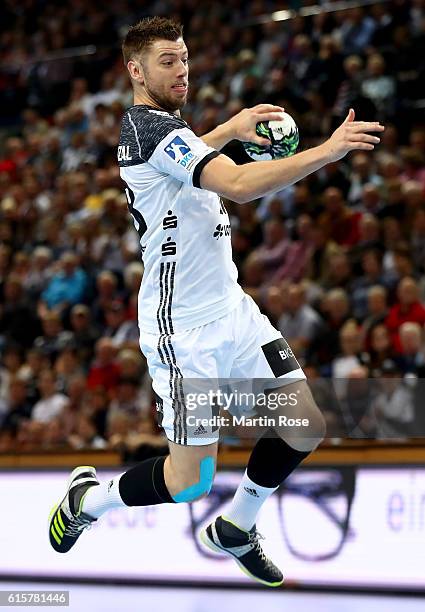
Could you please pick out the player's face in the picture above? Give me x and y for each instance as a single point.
(166, 73)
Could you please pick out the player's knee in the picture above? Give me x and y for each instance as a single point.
(310, 436)
(190, 489)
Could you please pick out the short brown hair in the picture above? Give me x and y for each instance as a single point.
(142, 34)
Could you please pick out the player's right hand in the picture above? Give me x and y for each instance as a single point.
(352, 135)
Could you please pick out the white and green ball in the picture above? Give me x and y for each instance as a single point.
(284, 139)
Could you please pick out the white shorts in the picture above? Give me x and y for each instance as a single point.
(243, 346)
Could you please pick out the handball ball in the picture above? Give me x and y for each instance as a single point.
(283, 136)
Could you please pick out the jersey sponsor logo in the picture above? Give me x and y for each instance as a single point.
(286, 353)
(200, 431)
(280, 357)
(124, 153)
(170, 221)
(179, 152)
(169, 248)
(221, 230)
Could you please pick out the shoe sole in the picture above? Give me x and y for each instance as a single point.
(71, 477)
(205, 539)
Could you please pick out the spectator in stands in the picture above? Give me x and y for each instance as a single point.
(339, 273)
(84, 332)
(18, 322)
(128, 400)
(275, 302)
(323, 249)
(362, 174)
(393, 407)
(18, 406)
(67, 287)
(96, 405)
(350, 341)
(85, 435)
(54, 337)
(51, 403)
(380, 348)
(335, 309)
(11, 363)
(7, 436)
(339, 222)
(253, 276)
(412, 356)
(76, 392)
(356, 404)
(356, 31)
(299, 323)
(247, 221)
(54, 435)
(407, 309)
(274, 249)
(132, 364)
(297, 259)
(40, 272)
(370, 200)
(369, 234)
(418, 240)
(30, 435)
(377, 311)
(122, 332)
(119, 428)
(106, 293)
(104, 371)
(66, 366)
(371, 264)
(379, 87)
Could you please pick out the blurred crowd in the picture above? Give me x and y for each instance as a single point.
(336, 261)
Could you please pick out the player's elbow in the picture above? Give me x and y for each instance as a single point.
(242, 197)
(240, 193)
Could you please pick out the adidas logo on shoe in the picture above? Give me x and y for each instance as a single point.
(199, 431)
(252, 492)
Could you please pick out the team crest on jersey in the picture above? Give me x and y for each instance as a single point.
(179, 152)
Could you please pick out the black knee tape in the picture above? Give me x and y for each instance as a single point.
(272, 460)
(144, 484)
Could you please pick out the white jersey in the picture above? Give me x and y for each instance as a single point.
(189, 278)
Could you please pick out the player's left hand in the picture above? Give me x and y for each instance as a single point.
(243, 124)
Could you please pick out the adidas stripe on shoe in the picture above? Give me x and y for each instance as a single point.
(67, 521)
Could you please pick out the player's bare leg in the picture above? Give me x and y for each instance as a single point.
(276, 454)
(185, 475)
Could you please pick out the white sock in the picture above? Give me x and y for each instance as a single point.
(103, 497)
(246, 503)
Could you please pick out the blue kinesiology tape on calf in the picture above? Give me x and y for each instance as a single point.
(203, 486)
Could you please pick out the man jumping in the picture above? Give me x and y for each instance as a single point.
(195, 320)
